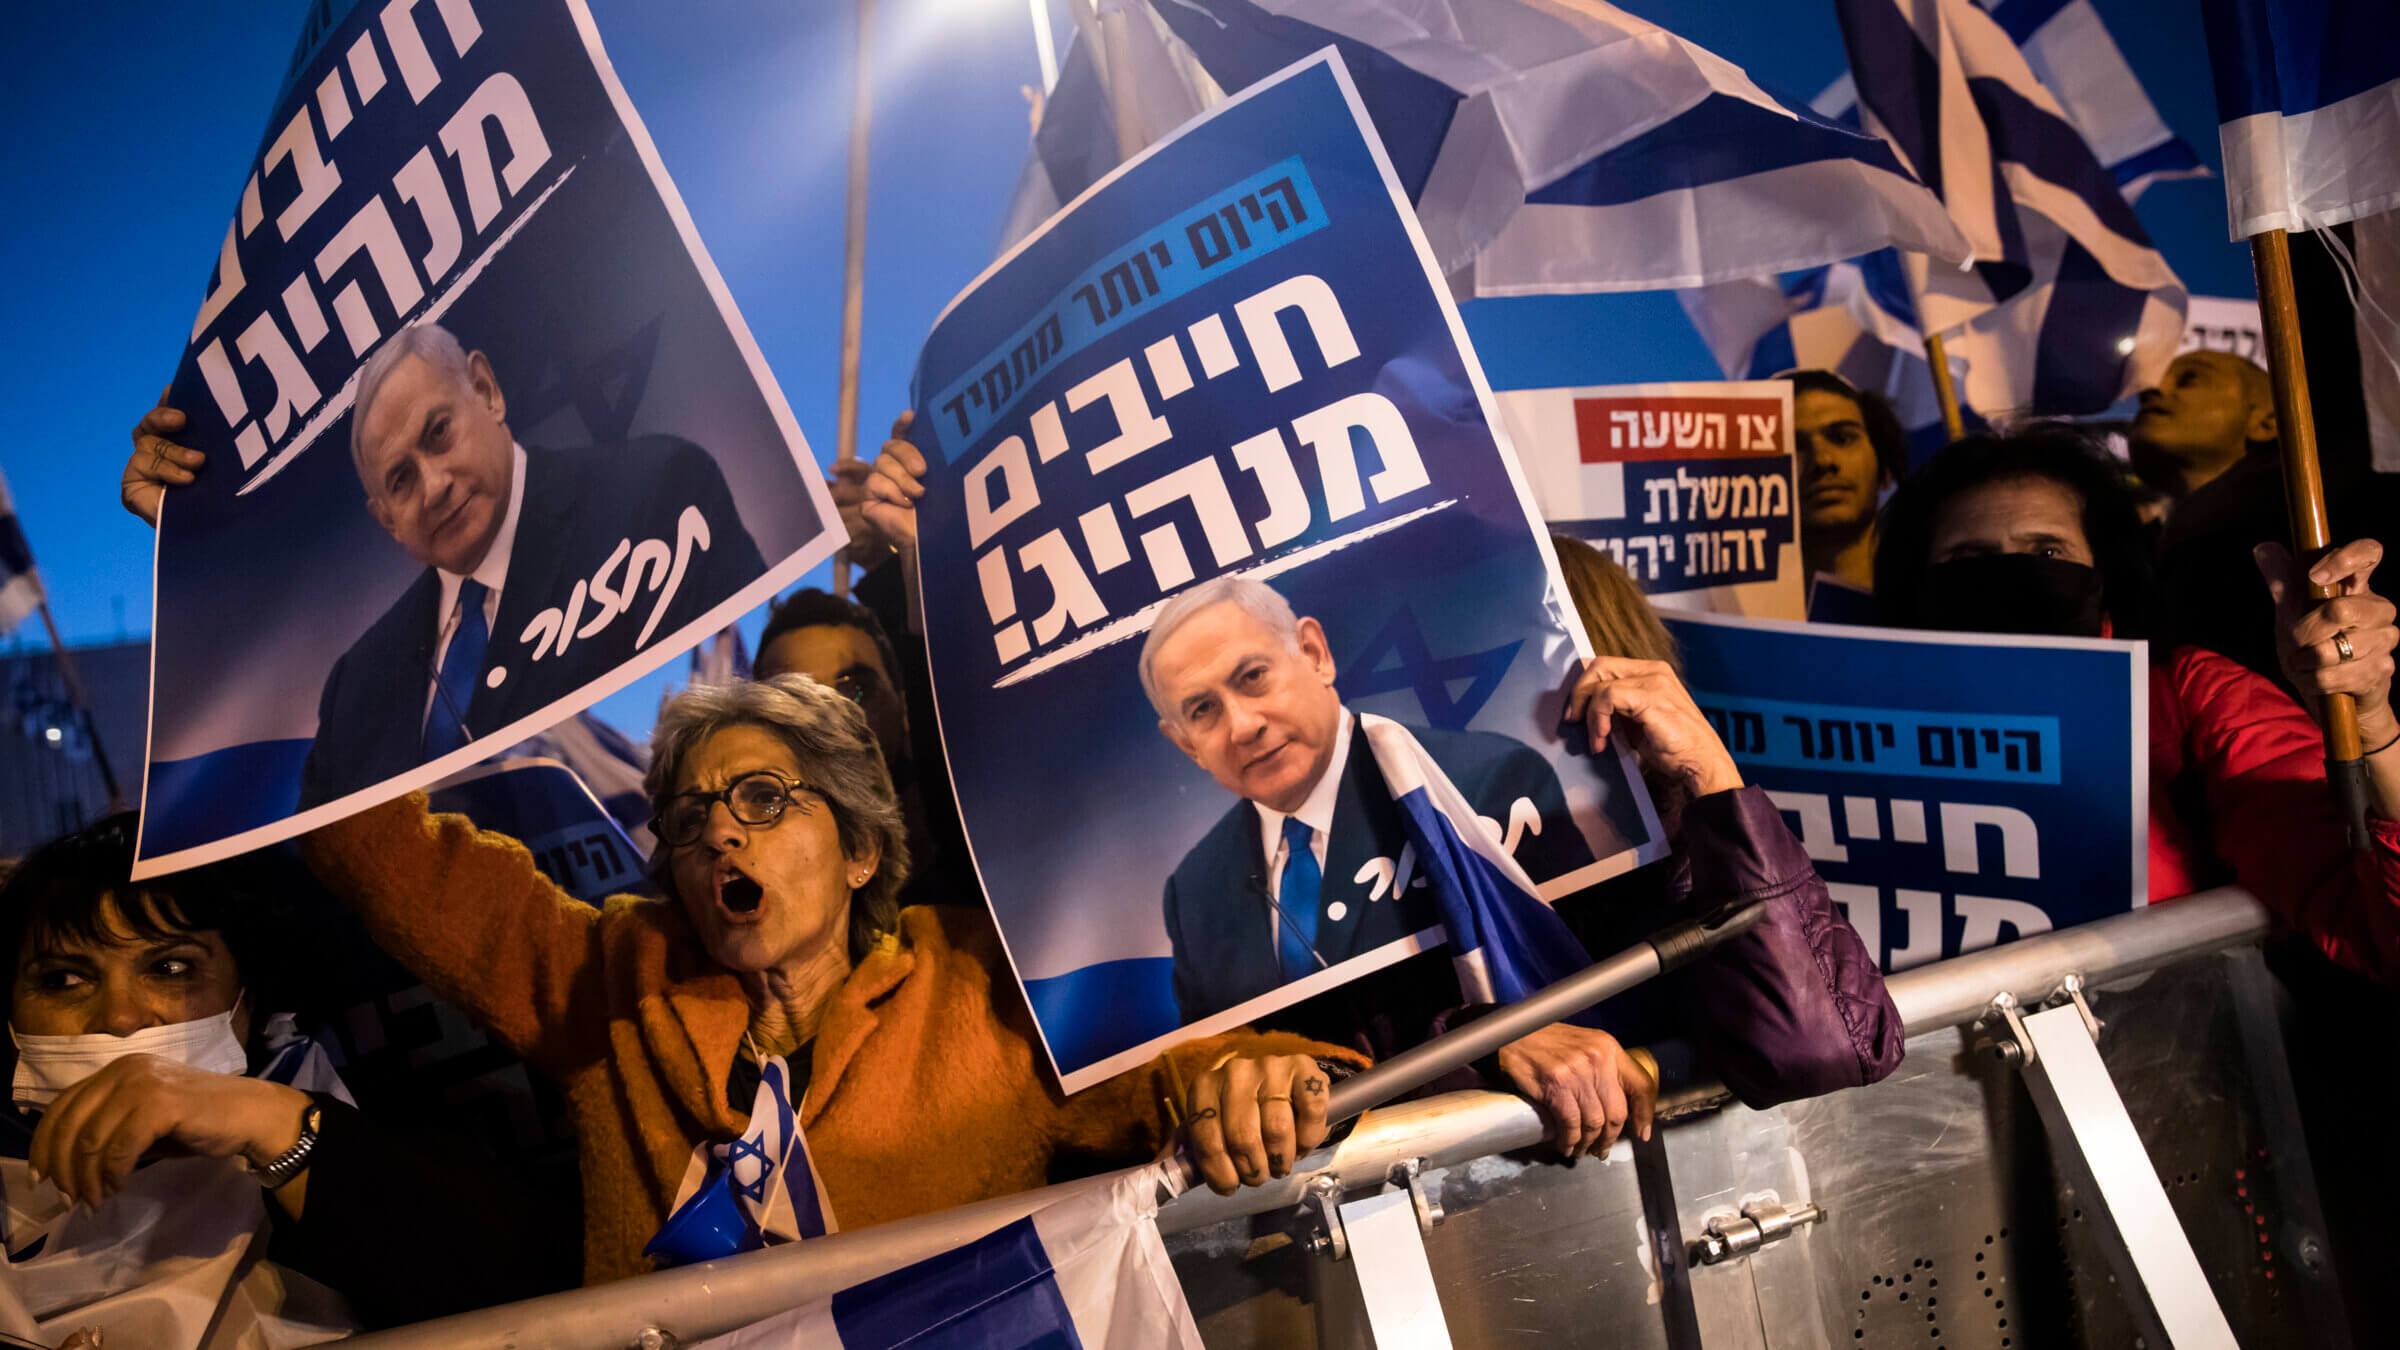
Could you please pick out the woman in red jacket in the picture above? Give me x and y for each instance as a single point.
(2037, 533)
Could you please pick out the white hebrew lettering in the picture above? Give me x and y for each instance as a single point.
(1328, 431)
(1138, 428)
(502, 100)
(1262, 327)
(1269, 456)
(986, 517)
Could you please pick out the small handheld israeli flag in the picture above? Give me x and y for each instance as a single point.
(757, 1190)
(1505, 941)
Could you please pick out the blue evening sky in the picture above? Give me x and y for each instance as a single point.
(129, 141)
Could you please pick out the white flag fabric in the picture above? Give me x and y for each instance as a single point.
(20, 585)
(1854, 318)
(2072, 54)
(1088, 1271)
(2070, 306)
(2308, 102)
(1547, 148)
(1505, 941)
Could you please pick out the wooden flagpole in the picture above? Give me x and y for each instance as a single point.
(1943, 389)
(2304, 496)
(854, 268)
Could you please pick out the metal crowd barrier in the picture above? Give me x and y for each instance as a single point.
(2003, 988)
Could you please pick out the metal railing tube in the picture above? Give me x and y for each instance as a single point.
(711, 1299)
(1670, 947)
(1960, 989)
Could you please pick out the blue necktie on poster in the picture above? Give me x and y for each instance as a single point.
(1303, 885)
(446, 725)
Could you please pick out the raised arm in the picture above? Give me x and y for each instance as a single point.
(469, 914)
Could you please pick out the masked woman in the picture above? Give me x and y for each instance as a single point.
(177, 1162)
(2038, 533)
(779, 984)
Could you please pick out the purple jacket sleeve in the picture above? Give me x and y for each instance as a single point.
(1796, 1007)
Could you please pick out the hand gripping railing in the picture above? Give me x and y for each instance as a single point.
(711, 1299)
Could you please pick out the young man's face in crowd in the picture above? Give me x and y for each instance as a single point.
(1840, 480)
(844, 659)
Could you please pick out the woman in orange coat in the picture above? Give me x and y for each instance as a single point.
(780, 975)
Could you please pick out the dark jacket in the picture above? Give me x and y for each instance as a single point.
(1794, 1008)
(1217, 908)
(586, 524)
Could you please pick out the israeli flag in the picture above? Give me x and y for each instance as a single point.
(759, 1189)
(1855, 318)
(1547, 148)
(20, 585)
(1505, 942)
(1087, 1272)
(2070, 306)
(2073, 56)
(2308, 99)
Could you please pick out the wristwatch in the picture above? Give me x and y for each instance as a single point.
(287, 1164)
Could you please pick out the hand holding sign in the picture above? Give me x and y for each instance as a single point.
(898, 481)
(1251, 1118)
(1665, 727)
(157, 463)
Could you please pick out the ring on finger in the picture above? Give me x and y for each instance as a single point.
(2341, 644)
(1274, 1097)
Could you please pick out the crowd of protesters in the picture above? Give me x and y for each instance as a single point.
(817, 937)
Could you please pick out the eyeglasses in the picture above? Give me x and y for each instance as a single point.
(759, 797)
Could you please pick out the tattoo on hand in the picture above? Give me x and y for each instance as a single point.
(1204, 1113)
(1313, 1086)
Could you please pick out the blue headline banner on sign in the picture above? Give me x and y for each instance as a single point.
(1953, 790)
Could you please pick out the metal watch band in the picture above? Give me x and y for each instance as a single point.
(287, 1164)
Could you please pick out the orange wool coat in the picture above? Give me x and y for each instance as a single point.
(924, 1091)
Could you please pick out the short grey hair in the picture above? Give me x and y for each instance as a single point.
(839, 760)
(428, 340)
(1254, 597)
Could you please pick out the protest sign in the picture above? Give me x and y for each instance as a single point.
(1689, 486)
(1954, 790)
(541, 804)
(1233, 356)
(408, 552)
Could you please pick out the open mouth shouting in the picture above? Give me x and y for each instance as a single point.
(737, 894)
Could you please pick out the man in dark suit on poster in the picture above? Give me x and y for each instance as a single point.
(1302, 873)
(544, 569)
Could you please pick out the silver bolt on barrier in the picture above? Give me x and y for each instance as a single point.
(1325, 1199)
(2009, 1041)
(1409, 1176)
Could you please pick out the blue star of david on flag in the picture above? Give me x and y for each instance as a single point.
(749, 1151)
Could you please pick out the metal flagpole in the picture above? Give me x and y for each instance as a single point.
(2304, 496)
(854, 268)
(83, 705)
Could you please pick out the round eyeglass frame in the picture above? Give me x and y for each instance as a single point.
(772, 810)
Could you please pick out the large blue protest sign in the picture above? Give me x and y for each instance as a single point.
(1954, 790)
(1233, 356)
(488, 439)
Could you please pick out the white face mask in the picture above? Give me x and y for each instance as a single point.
(49, 1065)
